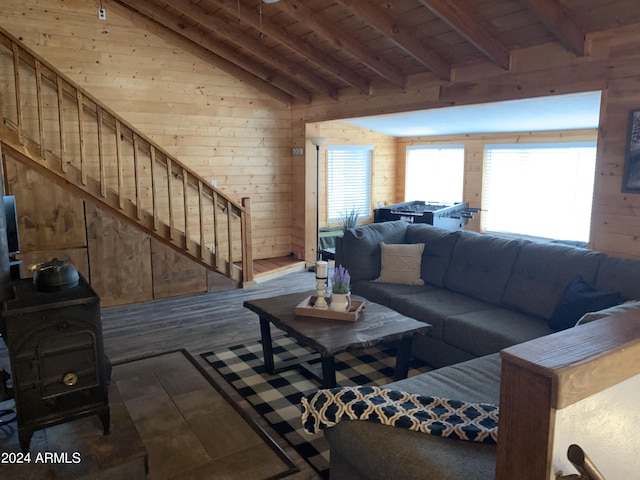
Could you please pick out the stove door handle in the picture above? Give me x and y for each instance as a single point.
(70, 379)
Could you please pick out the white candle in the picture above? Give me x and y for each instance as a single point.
(321, 269)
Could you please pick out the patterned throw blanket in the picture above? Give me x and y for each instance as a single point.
(475, 422)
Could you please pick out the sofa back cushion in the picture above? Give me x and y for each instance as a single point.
(359, 249)
(438, 248)
(619, 275)
(543, 271)
(481, 265)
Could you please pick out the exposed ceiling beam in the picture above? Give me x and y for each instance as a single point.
(559, 21)
(218, 55)
(297, 44)
(463, 22)
(342, 40)
(378, 19)
(231, 33)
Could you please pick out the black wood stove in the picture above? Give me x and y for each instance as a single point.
(56, 351)
(448, 216)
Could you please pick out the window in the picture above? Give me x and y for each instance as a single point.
(348, 181)
(542, 190)
(435, 174)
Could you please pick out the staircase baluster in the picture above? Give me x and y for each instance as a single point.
(154, 199)
(170, 198)
(136, 174)
(63, 143)
(216, 229)
(83, 154)
(229, 238)
(119, 137)
(185, 186)
(201, 218)
(101, 166)
(247, 246)
(16, 79)
(40, 108)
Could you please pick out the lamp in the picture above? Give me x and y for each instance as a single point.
(317, 142)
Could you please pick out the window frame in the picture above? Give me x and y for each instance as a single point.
(436, 147)
(489, 226)
(368, 182)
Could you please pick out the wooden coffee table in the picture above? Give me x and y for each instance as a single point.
(328, 337)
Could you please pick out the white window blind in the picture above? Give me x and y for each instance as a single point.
(434, 174)
(542, 190)
(348, 181)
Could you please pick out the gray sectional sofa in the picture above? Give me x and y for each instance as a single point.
(481, 293)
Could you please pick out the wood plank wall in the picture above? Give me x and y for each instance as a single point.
(383, 167)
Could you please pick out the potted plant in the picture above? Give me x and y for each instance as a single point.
(349, 219)
(340, 290)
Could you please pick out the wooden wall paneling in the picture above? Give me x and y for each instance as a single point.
(215, 124)
(175, 274)
(119, 259)
(383, 167)
(49, 217)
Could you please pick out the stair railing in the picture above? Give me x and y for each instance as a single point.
(61, 130)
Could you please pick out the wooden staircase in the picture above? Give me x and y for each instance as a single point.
(55, 127)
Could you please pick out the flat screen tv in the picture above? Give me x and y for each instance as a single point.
(12, 223)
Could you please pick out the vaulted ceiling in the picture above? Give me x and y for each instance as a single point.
(296, 50)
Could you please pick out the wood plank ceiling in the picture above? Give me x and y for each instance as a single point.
(294, 50)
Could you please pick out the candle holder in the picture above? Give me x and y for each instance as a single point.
(321, 288)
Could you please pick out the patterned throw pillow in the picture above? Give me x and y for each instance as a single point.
(400, 263)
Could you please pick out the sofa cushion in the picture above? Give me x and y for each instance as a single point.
(360, 247)
(489, 331)
(438, 248)
(541, 273)
(435, 305)
(619, 275)
(481, 266)
(580, 298)
(400, 263)
(417, 455)
(607, 312)
(384, 293)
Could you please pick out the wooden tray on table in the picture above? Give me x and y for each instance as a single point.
(306, 309)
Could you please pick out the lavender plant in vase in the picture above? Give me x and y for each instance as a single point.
(340, 290)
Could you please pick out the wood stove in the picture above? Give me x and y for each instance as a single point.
(56, 351)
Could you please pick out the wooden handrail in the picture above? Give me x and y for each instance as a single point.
(91, 175)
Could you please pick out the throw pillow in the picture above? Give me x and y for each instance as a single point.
(400, 263)
(580, 298)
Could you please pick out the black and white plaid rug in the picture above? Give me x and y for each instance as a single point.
(277, 397)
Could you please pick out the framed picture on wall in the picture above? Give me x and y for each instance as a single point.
(631, 177)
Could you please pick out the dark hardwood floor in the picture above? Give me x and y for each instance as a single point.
(197, 323)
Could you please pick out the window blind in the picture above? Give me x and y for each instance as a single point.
(434, 173)
(541, 190)
(348, 181)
